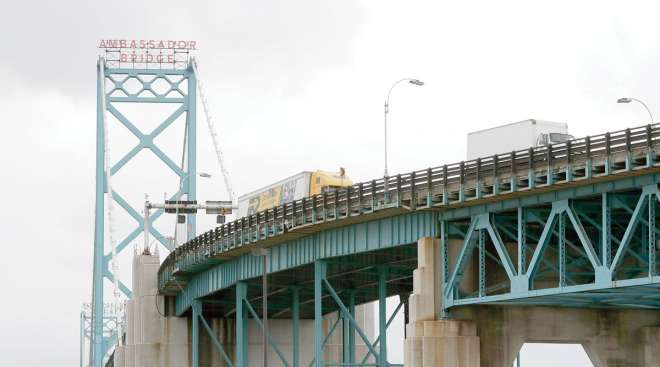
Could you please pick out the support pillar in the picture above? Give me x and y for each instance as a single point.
(431, 341)
(382, 316)
(241, 326)
(295, 322)
(196, 309)
(351, 327)
(348, 334)
(320, 270)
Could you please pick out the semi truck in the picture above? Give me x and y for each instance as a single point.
(292, 188)
(515, 136)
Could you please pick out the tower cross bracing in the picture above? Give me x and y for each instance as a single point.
(113, 90)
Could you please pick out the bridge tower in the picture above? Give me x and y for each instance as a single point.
(171, 79)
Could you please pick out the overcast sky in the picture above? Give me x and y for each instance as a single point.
(294, 85)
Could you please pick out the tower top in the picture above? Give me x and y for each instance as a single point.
(147, 53)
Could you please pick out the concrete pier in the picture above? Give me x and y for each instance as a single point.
(151, 339)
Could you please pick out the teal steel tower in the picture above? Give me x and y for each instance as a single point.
(174, 85)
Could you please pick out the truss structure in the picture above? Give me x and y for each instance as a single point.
(163, 86)
(113, 316)
(594, 249)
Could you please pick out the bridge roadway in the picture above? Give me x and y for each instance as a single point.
(562, 225)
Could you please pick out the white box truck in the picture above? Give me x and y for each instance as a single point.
(515, 136)
(293, 188)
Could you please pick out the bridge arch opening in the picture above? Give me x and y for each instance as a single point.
(552, 355)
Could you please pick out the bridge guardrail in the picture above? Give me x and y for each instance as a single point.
(425, 189)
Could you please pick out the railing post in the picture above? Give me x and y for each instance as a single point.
(513, 180)
(360, 197)
(325, 206)
(429, 188)
(373, 195)
(445, 184)
(650, 154)
(461, 188)
(496, 180)
(569, 162)
(413, 195)
(531, 175)
(628, 151)
(550, 175)
(398, 190)
(477, 185)
(608, 151)
(588, 165)
(314, 199)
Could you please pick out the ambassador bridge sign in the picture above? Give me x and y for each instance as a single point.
(146, 53)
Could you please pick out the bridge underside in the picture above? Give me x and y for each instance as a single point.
(356, 274)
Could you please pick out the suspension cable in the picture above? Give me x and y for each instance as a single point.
(214, 134)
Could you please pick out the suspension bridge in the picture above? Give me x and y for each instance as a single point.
(550, 243)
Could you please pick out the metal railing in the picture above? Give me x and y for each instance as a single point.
(437, 187)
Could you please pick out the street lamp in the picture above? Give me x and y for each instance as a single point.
(628, 100)
(178, 198)
(416, 82)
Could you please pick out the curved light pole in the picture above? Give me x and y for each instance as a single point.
(628, 100)
(416, 82)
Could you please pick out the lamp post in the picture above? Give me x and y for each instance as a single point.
(416, 82)
(178, 198)
(628, 100)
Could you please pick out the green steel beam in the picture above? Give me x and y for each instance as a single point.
(241, 326)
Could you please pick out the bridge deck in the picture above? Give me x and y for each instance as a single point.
(446, 192)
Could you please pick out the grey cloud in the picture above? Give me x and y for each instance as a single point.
(54, 43)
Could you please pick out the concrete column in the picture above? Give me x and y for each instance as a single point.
(430, 342)
(151, 338)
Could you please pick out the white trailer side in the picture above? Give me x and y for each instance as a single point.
(510, 137)
(282, 192)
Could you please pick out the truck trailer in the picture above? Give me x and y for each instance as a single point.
(515, 136)
(293, 188)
